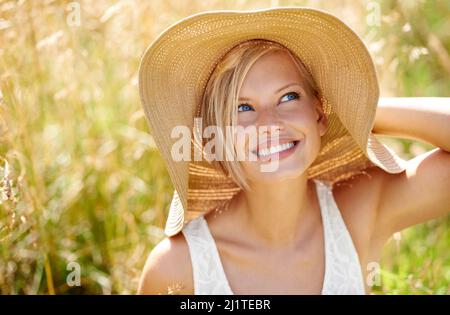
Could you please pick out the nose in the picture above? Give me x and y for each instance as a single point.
(268, 121)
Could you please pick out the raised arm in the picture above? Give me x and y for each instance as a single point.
(422, 192)
(419, 118)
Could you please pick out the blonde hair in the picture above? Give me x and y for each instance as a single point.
(220, 99)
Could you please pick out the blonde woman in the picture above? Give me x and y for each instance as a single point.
(317, 222)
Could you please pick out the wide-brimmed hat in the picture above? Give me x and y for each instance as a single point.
(175, 69)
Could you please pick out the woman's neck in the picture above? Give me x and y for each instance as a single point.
(275, 212)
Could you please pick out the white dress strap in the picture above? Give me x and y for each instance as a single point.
(209, 276)
(343, 273)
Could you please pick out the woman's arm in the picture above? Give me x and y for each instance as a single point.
(421, 192)
(420, 118)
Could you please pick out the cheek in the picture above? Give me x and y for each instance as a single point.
(302, 126)
(298, 115)
(243, 144)
(247, 120)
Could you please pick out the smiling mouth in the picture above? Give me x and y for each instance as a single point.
(262, 153)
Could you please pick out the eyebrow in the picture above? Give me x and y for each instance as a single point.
(277, 91)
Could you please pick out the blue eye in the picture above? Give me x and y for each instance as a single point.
(244, 108)
(291, 96)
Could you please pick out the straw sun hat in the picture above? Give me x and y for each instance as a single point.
(176, 67)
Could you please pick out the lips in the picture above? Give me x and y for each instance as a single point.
(276, 148)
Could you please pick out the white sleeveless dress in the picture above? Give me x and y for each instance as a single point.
(343, 273)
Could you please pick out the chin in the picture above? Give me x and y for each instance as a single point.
(285, 171)
(280, 175)
(277, 178)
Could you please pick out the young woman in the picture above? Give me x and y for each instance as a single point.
(316, 222)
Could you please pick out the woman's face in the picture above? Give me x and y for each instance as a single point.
(274, 99)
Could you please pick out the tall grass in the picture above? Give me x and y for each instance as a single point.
(80, 177)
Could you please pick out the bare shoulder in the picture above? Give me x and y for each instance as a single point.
(418, 194)
(377, 204)
(359, 190)
(168, 269)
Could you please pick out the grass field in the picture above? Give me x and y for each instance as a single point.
(80, 178)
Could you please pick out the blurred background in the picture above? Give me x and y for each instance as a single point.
(83, 190)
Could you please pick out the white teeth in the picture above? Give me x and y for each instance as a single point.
(275, 149)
